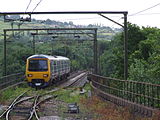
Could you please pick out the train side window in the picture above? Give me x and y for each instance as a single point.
(66, 64)
(55, 66)
(52, 68)
(63, 64)
(58, 65)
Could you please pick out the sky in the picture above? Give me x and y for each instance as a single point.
(150, 17)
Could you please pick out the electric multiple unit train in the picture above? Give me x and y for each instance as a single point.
(43, 70)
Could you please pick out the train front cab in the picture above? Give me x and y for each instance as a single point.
(38, 72)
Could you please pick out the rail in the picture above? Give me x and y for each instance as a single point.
(144, 95)
(10, 80)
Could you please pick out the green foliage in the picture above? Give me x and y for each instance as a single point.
(11, 93)
(111, 61)
(139, 71)
(20, 48)
(75, 65)
(135, 35)
(154, 68)
(71, 95)
(20, 44)
(145, 60)
(143, 50)
(143, 55)
(16, 57)
(145, 47)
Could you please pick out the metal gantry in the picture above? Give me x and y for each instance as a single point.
(83, 12)
(92, 32)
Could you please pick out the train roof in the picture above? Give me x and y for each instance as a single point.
(48, 57)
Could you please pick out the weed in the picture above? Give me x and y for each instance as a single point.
(108, 111)
(11, 94)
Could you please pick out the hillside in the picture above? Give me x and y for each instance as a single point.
(104, 32)
(20, 46)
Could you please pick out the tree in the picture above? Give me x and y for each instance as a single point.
(48, 21)
(145, 64)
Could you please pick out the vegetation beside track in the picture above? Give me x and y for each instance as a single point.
(71, 95)
(90, 106)
(11, 93)
(108, 111)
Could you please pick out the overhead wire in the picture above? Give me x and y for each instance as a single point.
(145, 14)
(37, 5)
(116, 21)
(134, 14)
(85, 18)
(144, 10)
(28, 5)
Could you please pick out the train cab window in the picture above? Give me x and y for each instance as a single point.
(38, 65)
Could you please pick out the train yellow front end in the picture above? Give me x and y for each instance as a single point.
(38, 71)
(43, 70)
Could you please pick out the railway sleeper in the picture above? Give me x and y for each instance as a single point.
(21, 111)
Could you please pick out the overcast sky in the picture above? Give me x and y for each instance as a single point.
(150, 17)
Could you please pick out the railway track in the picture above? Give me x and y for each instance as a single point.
(25, 107)
(77, 80)
(82, 79)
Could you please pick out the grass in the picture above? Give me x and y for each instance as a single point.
(12, 93)
(90, 107)
(7, 25)
(110, 34)
(67, 95)
(72, 95)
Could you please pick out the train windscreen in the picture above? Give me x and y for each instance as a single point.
(38, 65)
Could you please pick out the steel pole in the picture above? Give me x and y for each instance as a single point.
(5, 57)
(34, 49)
(125, 47)
(52, 46)
(95, 53)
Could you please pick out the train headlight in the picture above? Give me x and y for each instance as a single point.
(45, 75)
(29, 75)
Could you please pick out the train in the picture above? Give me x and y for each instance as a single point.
(44, 70)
